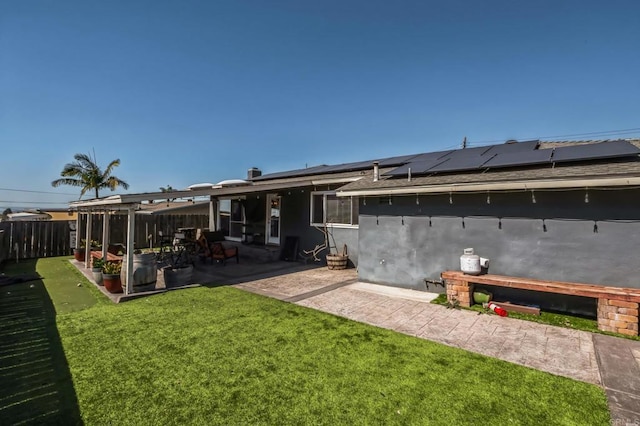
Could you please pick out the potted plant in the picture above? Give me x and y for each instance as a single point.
(79, 253)
(111, 277)
(338, 260)
(96, 270)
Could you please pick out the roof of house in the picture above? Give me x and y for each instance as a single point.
(553, 160)
(357, 178)
(592, 172)
(174, 207)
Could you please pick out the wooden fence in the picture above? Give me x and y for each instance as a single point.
(27, 240)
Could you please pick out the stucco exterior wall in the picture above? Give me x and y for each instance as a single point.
(557, 237)
(296, 205)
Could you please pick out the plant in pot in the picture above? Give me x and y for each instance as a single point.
(111, 277)
(335, 260)
(79, 253)
(96, 270)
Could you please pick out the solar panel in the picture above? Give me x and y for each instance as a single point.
(417, 167)
(293, 173)
(459, 160)
(396, 161)
(348, 167)
(523, 158)
(429, 156)
(459, 163)
(512, 147)
(611, 149)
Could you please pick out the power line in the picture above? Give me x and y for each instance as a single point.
(35, 192)
(35, 202)
(569, 136)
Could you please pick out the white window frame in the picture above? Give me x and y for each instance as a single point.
(243, 222)
(324, 210)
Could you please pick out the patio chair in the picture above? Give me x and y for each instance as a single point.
(221, 253)
(216, 251)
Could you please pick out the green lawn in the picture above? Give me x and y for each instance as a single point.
(223, 356)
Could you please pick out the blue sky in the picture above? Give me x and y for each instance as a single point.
(199, 91)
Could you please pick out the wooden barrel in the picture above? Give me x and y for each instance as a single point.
(145, 269)
(337, 261)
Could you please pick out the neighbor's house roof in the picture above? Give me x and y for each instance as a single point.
(28, 216)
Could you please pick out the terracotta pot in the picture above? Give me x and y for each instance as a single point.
(78, 254)
(112, 283)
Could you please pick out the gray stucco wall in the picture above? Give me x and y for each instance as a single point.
(295, 221)
(559, 237)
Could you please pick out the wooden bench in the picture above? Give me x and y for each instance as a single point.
(110, 256)
(617, 306)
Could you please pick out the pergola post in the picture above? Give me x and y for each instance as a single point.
(212, 213)
(87, 245)
(78, 231)
(131, 225)
(105, 234)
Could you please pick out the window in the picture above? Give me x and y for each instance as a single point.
(231, 219)
(328, 208)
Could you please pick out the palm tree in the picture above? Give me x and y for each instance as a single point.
(85, 173)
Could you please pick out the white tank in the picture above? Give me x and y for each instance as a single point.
(470, 263)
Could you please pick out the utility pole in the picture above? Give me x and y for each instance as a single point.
(464, 143)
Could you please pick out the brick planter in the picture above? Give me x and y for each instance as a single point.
(618, 316)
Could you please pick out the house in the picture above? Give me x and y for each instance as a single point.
(28, 216)
(548, 210)
(565, 211)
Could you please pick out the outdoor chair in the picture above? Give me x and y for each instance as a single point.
(221, 253)
(216, 251)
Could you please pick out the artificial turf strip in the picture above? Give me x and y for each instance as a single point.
(550, 318)
(223, 356)
(68, 289)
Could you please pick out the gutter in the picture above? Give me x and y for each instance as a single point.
(494, 186)
(335, 180)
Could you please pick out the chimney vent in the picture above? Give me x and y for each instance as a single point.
(376, 171)
(253, 172)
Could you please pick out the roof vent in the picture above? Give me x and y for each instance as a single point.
(510, 141)
(253, 172)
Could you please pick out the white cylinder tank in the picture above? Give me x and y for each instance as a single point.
(470, 262)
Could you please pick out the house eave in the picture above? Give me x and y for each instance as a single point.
(335, 180)
(496, 186)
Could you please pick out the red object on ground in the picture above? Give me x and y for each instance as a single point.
(498, 310)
